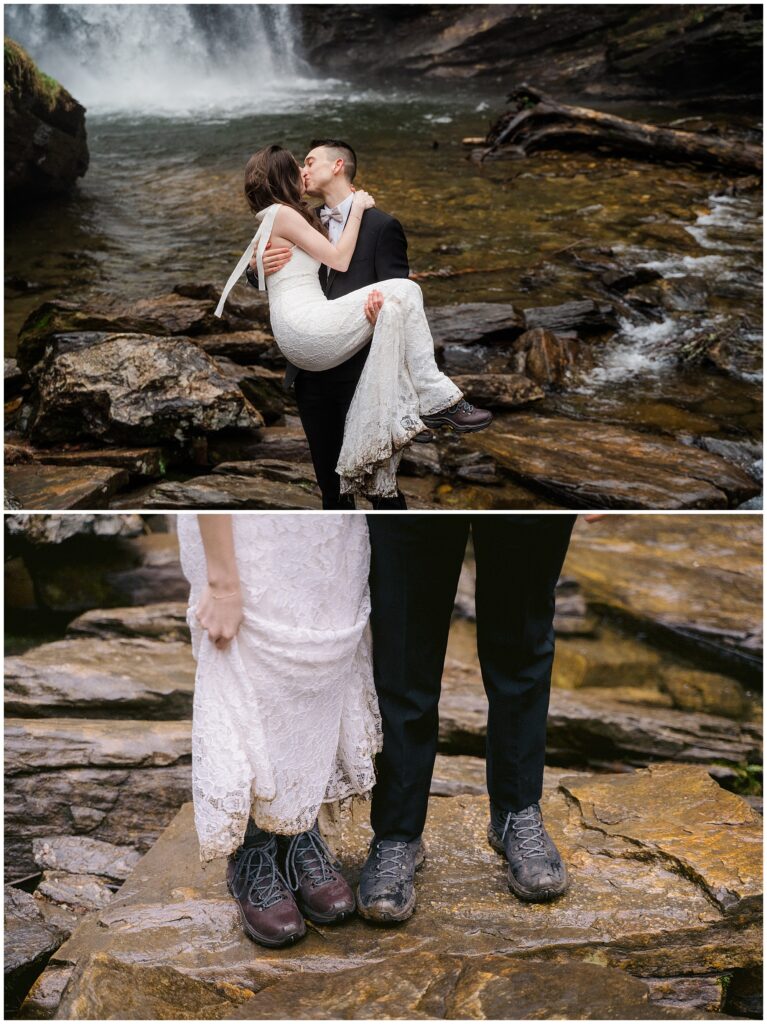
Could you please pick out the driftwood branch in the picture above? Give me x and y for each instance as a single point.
(537, 121)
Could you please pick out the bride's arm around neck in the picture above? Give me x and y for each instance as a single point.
(291, 225)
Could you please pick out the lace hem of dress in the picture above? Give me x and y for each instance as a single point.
(226, 841)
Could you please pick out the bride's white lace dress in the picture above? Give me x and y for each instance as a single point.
(400, 381)
(286, 718)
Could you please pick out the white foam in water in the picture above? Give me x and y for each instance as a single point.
(171, 59)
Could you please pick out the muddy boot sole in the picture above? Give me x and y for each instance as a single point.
(441, 422)
(527, 895)
(344, 915)
(379, 917)
(256, 936)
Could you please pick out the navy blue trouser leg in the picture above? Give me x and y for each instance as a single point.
(415, 565)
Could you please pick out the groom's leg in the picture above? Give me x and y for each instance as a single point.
(415, 565)
(519, 559)
(323, 403)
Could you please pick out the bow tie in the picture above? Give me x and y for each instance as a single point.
(327, 215)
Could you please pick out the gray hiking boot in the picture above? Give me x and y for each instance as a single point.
(536, 870)
(386, 891)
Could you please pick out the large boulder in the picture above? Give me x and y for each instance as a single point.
(666, 885)
(133, 389)
(45, 140)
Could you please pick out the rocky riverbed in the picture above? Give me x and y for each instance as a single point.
(654, 743)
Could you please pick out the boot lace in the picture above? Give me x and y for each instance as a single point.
(527, 821)
(308, 854)
(258, 872)
(390, 859)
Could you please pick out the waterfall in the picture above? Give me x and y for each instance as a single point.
(172, 59)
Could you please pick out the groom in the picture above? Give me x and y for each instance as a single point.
(324, 397)
(415, 564)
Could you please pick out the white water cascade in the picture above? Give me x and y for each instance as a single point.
(169, 59)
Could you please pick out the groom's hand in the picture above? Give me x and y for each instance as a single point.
(373, 305)
(274, 259)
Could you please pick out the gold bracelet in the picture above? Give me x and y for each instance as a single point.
(221, 597)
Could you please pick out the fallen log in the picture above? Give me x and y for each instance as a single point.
(537, 121)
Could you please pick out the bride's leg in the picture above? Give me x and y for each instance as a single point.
(435, 390)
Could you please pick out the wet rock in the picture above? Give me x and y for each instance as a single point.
(499, 390)
(95, 678)
(591, 727)
(102, 571)
(736, 356)
(421, 460)
(29, 942)
(665, 872)
(81, 855)
(695, 690)
(225, 490)
(261, 386)
(622, 278)
(45, 139)
(135, 389)
(597, 465)
(80, 892)
(279, 442)
(14, 379)
(546, 357)
(150, 462)
(585, 316)
(244, 348)
(475, 468)
(470, 322)
(163, 621)
(430, 986)
(18, 454)
(694, 580)
(119, 781)
(746, 455)
(608, 660)
(44, 529)
(63, 487)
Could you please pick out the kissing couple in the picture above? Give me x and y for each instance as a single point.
(361, 360)
(320, 640)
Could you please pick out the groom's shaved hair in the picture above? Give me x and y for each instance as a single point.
(342, 150)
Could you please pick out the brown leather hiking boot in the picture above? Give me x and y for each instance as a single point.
(322, 893)
(462, 417)
(268, 912)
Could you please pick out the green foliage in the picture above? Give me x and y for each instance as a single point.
(748, 778)
(23, 77)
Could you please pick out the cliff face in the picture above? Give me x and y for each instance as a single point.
(652, 50)
(45, 139)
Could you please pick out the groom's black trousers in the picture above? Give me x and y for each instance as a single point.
(415, 565)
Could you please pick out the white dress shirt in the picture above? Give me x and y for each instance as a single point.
(336, 227)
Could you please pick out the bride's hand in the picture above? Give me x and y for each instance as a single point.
(219, 611)
(362, 200)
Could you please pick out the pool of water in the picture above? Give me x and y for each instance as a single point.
(162, 204)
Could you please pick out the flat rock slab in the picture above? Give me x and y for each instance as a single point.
(114, 678)
(692, 577)
(593, 727)
(63, 487)
(668, 888)
(139, 461)
(118, 781)
(233, 491)
(163, 621)
(81, 855)
(597, 465)
(428, 986)
(40, 530)
(469, 322)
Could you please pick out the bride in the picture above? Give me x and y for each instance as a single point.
(285, 718)
(401, 389)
